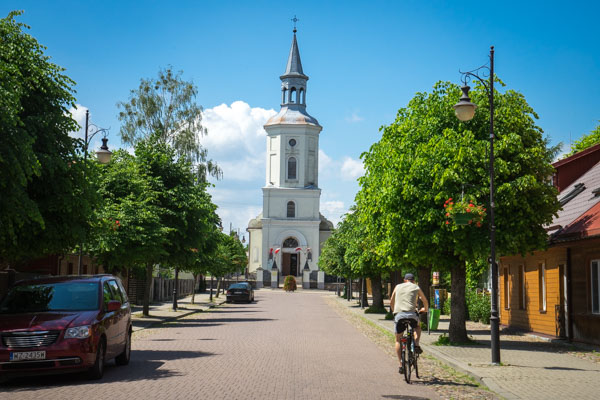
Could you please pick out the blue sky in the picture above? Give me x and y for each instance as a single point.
(364, 59)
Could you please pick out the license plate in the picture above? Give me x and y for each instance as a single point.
(238, 292)
(28, 355)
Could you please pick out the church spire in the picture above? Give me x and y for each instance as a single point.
(294, 65)
(293, 81)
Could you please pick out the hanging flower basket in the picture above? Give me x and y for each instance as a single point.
(462, 218)
(464, 213)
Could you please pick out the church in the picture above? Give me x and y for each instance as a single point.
(286, 238)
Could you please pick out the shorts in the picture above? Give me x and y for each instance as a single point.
(406, 318)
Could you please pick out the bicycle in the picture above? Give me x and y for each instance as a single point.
(409, 356)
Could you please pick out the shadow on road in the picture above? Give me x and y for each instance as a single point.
(144, 365)
(403, 397)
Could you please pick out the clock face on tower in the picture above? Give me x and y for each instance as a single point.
(292, 142)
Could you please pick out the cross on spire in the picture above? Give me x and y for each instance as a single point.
(294, 20)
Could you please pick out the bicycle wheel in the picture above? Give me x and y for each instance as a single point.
(409, 361)
(416, 366)
(403, 358)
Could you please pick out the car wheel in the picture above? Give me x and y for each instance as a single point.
(97, 371)
(123, 358)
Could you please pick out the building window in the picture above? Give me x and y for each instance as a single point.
(542, 286)
(290, 243)
(522, 287)
(596, 286)
(292, 168)
(506, 289)
(291, 209)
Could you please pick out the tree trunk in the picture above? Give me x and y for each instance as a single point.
(377, 292)
(424, 276)
(218, 286)
(194, 287)
(458, 310)
(148, 283)
(364, 293)
(211, 289)
(176, 289)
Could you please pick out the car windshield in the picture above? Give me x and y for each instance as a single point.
(64, 296)
(238, 286)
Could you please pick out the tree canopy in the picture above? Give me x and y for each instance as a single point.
(166, 106)
(428, 156)
(585, 141)
(44, 203)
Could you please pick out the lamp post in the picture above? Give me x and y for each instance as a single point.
(465, 110)
(103, 157)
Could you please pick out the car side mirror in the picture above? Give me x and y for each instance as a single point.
(113, 305)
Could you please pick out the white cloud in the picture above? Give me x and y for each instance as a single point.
(78, 114)
(333, 210)
(236, 139)
(351, 169)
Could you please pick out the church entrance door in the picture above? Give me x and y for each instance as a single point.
(285, 264)
(289, 264)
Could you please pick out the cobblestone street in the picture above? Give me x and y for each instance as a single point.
(284, 346)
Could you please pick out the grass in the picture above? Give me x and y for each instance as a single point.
(444, 340)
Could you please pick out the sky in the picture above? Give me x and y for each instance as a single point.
(365, 60)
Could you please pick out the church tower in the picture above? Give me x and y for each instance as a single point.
(286, 238)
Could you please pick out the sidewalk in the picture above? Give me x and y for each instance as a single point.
(532, 368)
(162, 312)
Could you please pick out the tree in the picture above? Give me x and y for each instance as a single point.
(154, 211)
(45, 203)
(585, 141)
(166, 106)
(428, 156)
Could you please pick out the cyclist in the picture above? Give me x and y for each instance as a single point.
(403, 304)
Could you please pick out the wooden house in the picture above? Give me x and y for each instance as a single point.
(556, 291)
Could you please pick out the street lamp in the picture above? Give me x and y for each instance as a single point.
(103, 157)
(465, 110)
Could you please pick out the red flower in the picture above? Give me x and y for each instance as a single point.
(117, 222)
(447, 222)
(447, 214)
(479, 224)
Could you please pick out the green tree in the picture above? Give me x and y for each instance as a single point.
(585, 141)
(166, 106)
(427, 156)
(44, 206)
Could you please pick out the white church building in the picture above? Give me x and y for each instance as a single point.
(286, 238)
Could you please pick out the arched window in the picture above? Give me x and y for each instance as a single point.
(284, 92)
(301, 97)
(290, 243)
(291, 209)
(291, 173)
(293, 95)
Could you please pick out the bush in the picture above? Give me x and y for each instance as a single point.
(289, 285)
(446, 307)
(478, 306)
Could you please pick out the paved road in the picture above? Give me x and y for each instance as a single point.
(284, 346)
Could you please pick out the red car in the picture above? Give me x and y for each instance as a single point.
(63, 324)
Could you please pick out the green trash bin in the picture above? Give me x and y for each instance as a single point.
(434, 318)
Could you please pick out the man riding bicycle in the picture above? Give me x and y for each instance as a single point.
(403, 304)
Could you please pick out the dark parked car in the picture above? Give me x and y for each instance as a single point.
(241, 291)
(63, 324)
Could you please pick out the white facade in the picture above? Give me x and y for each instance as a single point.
(286, 238)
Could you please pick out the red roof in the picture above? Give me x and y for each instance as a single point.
(585, 226)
